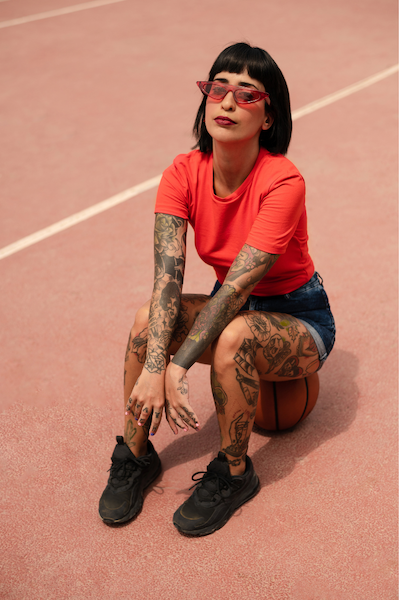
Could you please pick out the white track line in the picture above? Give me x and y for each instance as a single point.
(83, 215)
(347, 91)
(152, 183)
(57, 12)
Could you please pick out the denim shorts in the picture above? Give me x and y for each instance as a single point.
(309, 304)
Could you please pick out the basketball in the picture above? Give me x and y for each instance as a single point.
(283, 404)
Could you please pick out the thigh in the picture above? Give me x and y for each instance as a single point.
(191, 305)
(277, 345)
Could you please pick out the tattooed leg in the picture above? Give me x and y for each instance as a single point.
(235, 392)
(220, 396)
(249, 387)
(135, 436)
(290, 352)
(238, 437)
(235, 397)
(275, 347)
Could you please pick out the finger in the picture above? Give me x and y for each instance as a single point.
(183, 416)
(136, 410)
(143, 416)
(156, 420)
(185, 421)
(190, 417)
(172, 422)
(130, 406)
(179, 418)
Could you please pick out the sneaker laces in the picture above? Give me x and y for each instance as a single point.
(209, 484)
(122, 470)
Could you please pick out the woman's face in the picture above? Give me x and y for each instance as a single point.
(229, 122)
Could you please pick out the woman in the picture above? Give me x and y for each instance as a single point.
(268, 316)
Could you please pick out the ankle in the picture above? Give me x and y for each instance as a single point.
(236, 469)
(141, 450)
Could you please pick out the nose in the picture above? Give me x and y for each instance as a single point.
(228, 103)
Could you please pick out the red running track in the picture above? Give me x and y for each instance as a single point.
(95, 102)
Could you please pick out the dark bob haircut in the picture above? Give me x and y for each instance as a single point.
(261, 66)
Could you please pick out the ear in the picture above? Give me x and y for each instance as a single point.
(268, 122)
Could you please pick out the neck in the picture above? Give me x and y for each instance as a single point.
(232, 164)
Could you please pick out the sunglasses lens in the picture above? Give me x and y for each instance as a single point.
(246, 96)
(216, 90)
(205, 87)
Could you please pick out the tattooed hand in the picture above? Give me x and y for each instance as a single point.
(147, 400)
(178, 411)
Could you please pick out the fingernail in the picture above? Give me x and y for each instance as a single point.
(127, 413)
(184, 429)
(136, 419)
(152, 434)
(139, 424)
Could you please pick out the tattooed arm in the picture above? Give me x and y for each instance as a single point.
(246, 271)
(169, 261)
(248, 268)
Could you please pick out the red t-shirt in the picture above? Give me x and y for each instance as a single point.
(267, 212)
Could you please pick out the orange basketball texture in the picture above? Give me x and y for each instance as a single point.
(283, 404)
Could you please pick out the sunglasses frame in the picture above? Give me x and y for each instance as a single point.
(233, 89)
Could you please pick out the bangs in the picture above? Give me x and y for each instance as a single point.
(240, 58)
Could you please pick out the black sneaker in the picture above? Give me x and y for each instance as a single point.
(122, 499)
(216, 497)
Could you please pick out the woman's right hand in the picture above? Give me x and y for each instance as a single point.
(147, 399)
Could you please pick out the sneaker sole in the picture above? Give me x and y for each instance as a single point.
(136, 509)
(220, 524)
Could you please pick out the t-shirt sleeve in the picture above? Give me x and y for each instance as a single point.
(279, 215)
(173, 192)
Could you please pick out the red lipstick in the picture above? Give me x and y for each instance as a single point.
(224, 121)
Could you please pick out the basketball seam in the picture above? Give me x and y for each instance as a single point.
(276, 406)
(305, 407)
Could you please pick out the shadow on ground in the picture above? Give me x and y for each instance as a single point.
(333, 414)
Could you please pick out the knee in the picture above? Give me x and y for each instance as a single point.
(141, 319)
(228, 343)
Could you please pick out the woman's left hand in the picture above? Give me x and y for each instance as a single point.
(178, 411)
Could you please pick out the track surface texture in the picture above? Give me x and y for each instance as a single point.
(97, 101)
